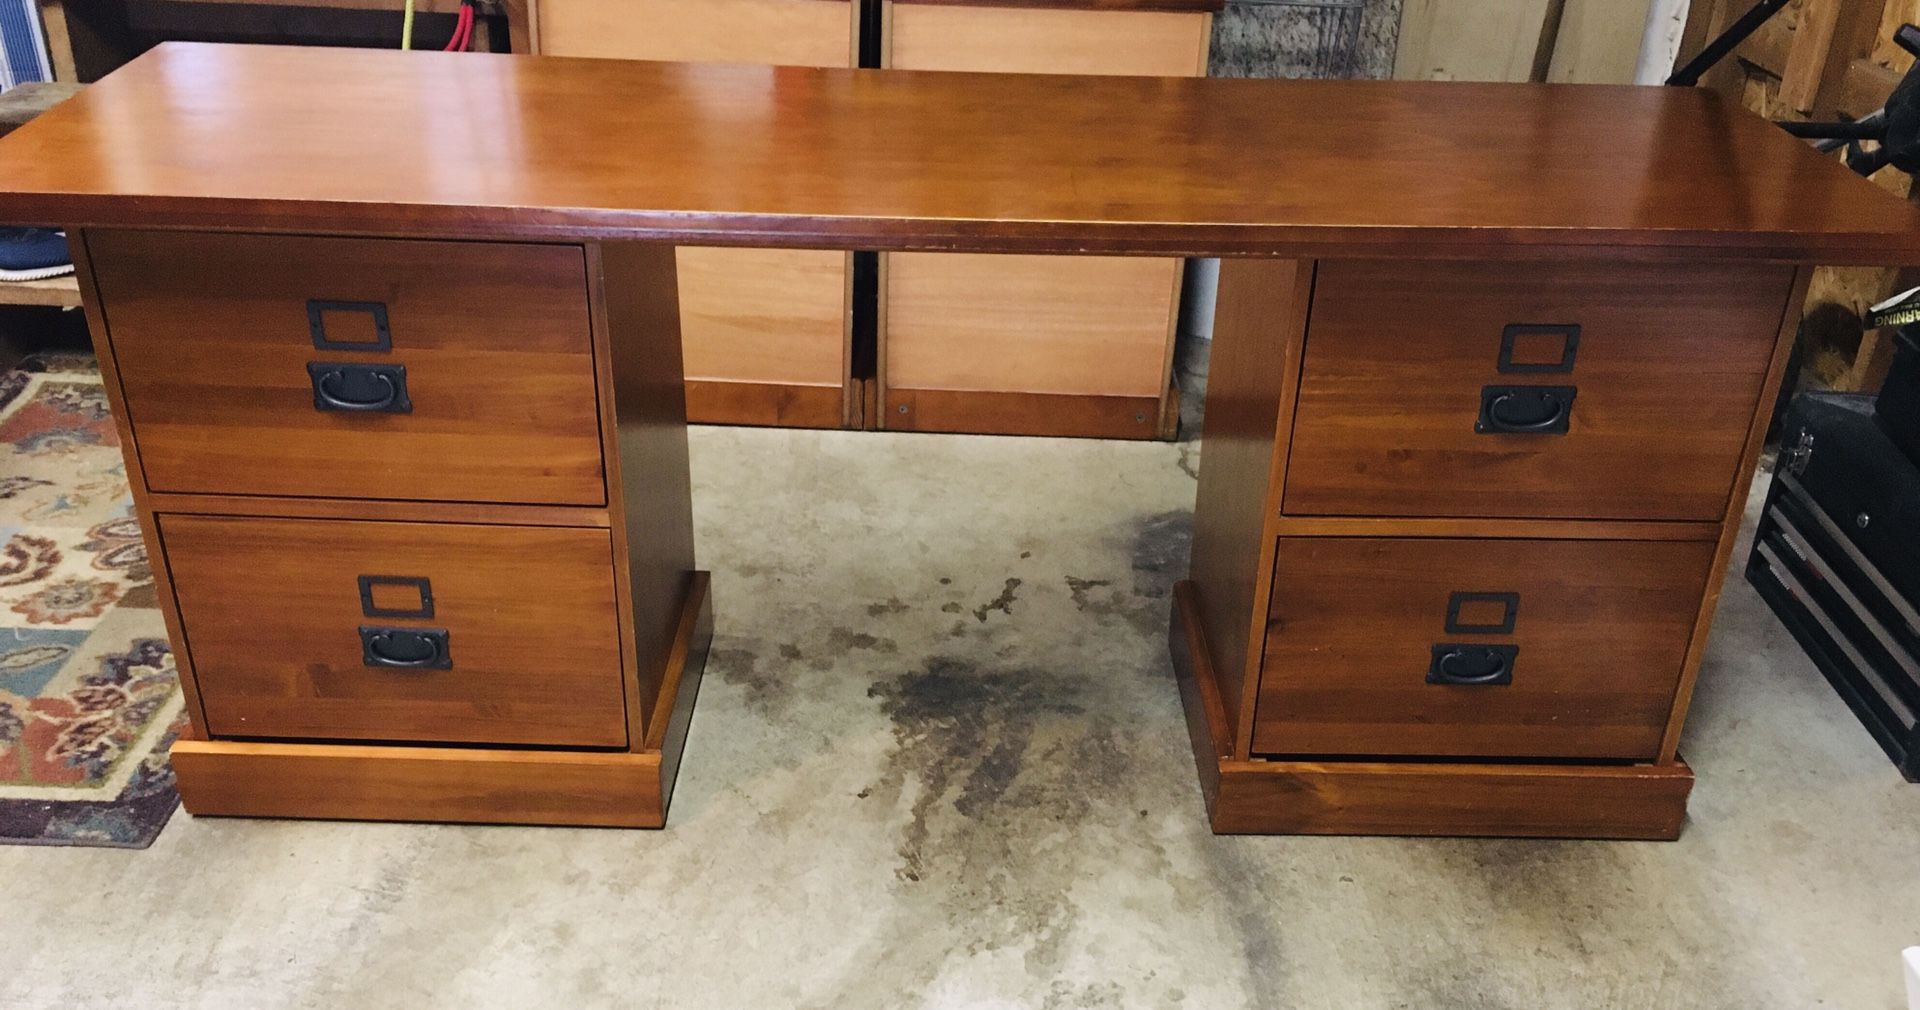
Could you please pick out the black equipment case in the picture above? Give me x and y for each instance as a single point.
(1837, 557)
(1898, 408)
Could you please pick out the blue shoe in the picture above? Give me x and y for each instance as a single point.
(33, 254)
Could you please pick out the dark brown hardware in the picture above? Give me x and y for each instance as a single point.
(1472, 665)
(418, 584)
(317, 309)
(1568, 333)
(1525, 410)
(1510, 602)
(405, 648)
(365, 389)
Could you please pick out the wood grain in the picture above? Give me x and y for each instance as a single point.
(765, 331)
(801, 33)
(1628, 802)
(60, 292)
(1490, 40)
(77, 241)
(1730, 520)
(1361, 797)
(1208, 6)
(774, 316)
(457, 784)
(1670, 365)
(1601, 628)
(1512, 529)
(686, 662)
(1086, 326)
(996, 412)
(637, 339)
(212, 336)
(770, 404)
(1253, 371)
(270, 610)
(478, 145)
(1092, 326)
(1208, 728)
(390, 511)
(1044, 39)
(1598, 41)
(460, 785)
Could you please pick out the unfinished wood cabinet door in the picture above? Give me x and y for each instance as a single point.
(764, 331)
(1033, 345)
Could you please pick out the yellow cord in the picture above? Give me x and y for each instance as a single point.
(406, 28)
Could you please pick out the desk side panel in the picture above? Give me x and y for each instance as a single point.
(637, 351)
(1259, 327)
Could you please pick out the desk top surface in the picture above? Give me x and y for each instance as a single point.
(465, 145)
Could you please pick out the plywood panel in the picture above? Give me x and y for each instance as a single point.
(764, 315)
(803, 33)
(1599, 41)
(1033, 41)
(1045, 324)
(1487, 40)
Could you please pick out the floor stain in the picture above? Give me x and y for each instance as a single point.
(1159, 546)
(1003, 603)
(992, 761)
(894, 605)
(845, 640)
(739, 666)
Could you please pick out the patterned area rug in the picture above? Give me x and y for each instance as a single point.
(89, 702)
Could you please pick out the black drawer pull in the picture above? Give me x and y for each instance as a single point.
(367, 389)
(1472, 665)
(405, 648)
(1525, 410)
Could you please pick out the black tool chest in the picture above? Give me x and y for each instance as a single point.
(1837, 556)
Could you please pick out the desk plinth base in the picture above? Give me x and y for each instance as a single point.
(227, 778)
(1637, 802)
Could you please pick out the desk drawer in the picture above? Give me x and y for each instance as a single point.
(1373, 645)
(242, 358)
(1643, 381)
(418, 632)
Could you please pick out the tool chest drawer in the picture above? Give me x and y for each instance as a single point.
(413, 632)
(354, 368)
(1530, 390)
(1476, 648)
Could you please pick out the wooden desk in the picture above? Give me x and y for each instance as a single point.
(1491, 371)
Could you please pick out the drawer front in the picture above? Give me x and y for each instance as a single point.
(411, 632)
(1089, 325)
(1038, 40)
(1476, 648)
(1530, 390)
(355, 368)
(804, 33)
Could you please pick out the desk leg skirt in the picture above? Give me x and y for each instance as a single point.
(1643, 802)
(461, 784)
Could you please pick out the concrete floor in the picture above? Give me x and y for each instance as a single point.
(938, 761)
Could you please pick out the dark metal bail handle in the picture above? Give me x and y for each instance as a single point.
(330, 380)
(338, 402)
(1526, 410)
(405, 648)
(1472, 665)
